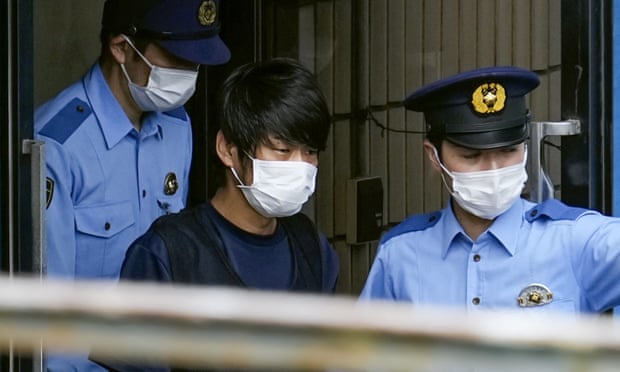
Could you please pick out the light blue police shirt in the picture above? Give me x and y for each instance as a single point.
(106, 181)
(573, 252)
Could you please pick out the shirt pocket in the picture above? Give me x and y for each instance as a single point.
(102, 237)
(104, 220)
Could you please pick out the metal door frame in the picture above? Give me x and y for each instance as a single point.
(587, 49)
(16, 102)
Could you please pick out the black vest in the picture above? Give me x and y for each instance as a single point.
(197, 253)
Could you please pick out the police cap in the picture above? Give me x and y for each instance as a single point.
(480, 109)
(188, 29)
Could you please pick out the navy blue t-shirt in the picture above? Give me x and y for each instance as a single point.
(262, 262)
(248, 254)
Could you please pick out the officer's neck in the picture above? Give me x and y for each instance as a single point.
(473, 225)
(117, 83)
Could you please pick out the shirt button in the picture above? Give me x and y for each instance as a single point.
(144, 193)
(477, 258)
(106, 226)
(475, 301)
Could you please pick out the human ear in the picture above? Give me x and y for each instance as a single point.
(226, 151)
(118, 48)
(430, 152)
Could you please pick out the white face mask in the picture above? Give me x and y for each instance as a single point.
(279, 188)
(167, 88)
(487, 194)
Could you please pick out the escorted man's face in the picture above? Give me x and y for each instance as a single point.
(281, 150)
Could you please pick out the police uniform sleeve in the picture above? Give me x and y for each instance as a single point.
(55, 125)
(147, 260)
(388, 262)
(596, 259)
(378, 284)
(60, 217)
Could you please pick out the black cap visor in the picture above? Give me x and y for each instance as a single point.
(490, 139)
(210, 51)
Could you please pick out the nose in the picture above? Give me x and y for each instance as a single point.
(297, 155)
(491, 161)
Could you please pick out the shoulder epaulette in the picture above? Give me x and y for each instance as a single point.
(178, 113)
(66, 121)
(555, 210)
(414, 223)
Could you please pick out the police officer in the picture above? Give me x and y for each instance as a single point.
(118, 141)
(489, 248)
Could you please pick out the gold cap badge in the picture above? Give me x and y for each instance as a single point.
(489, 98)
(535, 295)
(171, 185)
(207, 13)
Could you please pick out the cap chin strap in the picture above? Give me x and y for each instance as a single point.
(166, 35)
(461, 128)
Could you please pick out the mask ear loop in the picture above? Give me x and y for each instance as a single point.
(140, 54)
(443, 178)
(236, 175)
(137, 51)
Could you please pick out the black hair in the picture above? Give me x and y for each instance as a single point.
(279, 98)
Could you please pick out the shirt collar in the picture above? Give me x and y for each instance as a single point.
(451, 228)
(114, 123)
(151, 125)
(505, 228)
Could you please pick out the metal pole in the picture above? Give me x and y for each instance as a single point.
(541, 186)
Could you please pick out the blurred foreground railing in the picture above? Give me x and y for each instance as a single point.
(235, 328)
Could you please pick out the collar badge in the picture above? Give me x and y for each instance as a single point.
(171, 185)
(535, 295)
(489, 98)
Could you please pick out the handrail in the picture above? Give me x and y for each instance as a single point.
(209, 326)
(541, 186)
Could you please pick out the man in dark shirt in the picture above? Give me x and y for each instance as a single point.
(274, 121)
